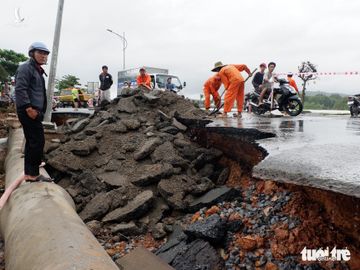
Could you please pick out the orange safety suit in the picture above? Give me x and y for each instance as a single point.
(211, 87)
(234, 85)
(146, 79)
(293, 83)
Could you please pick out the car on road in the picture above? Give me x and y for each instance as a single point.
(65, 98)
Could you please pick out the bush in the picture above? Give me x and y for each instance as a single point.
(323, 102)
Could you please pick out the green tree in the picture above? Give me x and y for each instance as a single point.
(3, 74)
(67, 81)
(10, 60)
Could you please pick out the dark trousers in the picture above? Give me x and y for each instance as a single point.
(35, 141)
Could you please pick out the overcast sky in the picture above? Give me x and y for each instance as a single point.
(188, 36)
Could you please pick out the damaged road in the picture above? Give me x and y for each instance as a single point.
(146, 170)
(316, 151)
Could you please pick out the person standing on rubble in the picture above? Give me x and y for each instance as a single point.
(144, 79)
(211, 88)
(31, 106)
(234, 85)
(106, 82)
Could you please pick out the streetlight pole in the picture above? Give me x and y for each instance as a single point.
(53, 64)
(125, 43)
(124, 47)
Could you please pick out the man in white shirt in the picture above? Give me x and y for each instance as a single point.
(268, 82)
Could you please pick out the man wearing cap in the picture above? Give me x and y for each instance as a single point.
(106, 82)
(292, 82)
(234, 85)
(258, 78)
(31, 106)
(211, 88)
(144, 79)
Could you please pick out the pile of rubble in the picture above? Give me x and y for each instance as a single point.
(4, 126)
(267, 228)
(132, 163)
(6, 117)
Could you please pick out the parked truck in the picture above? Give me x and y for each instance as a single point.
(159, 77)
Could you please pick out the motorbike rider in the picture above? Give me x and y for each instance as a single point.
(259, 77)
(268, 82)
(292, 81)
(354, 105)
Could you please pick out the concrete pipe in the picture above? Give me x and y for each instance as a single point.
(40, 226)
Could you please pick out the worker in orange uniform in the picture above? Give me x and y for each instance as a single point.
(292, 82)
(211, 87)
(144, 79)
(234, 85)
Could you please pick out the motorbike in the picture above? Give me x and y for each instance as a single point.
(283, 98)
(354, 105)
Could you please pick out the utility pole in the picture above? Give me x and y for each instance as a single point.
(124, 47)
(125, 43)
(53, 64)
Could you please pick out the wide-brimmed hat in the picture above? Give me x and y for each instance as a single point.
(218, 66)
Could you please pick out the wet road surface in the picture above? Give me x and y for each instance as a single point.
(312, 150)
(71, 110)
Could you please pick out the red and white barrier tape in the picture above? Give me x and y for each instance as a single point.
(323, 73)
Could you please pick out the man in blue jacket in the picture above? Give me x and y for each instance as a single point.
(31, 105)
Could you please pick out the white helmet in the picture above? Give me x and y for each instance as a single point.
(38, 46)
